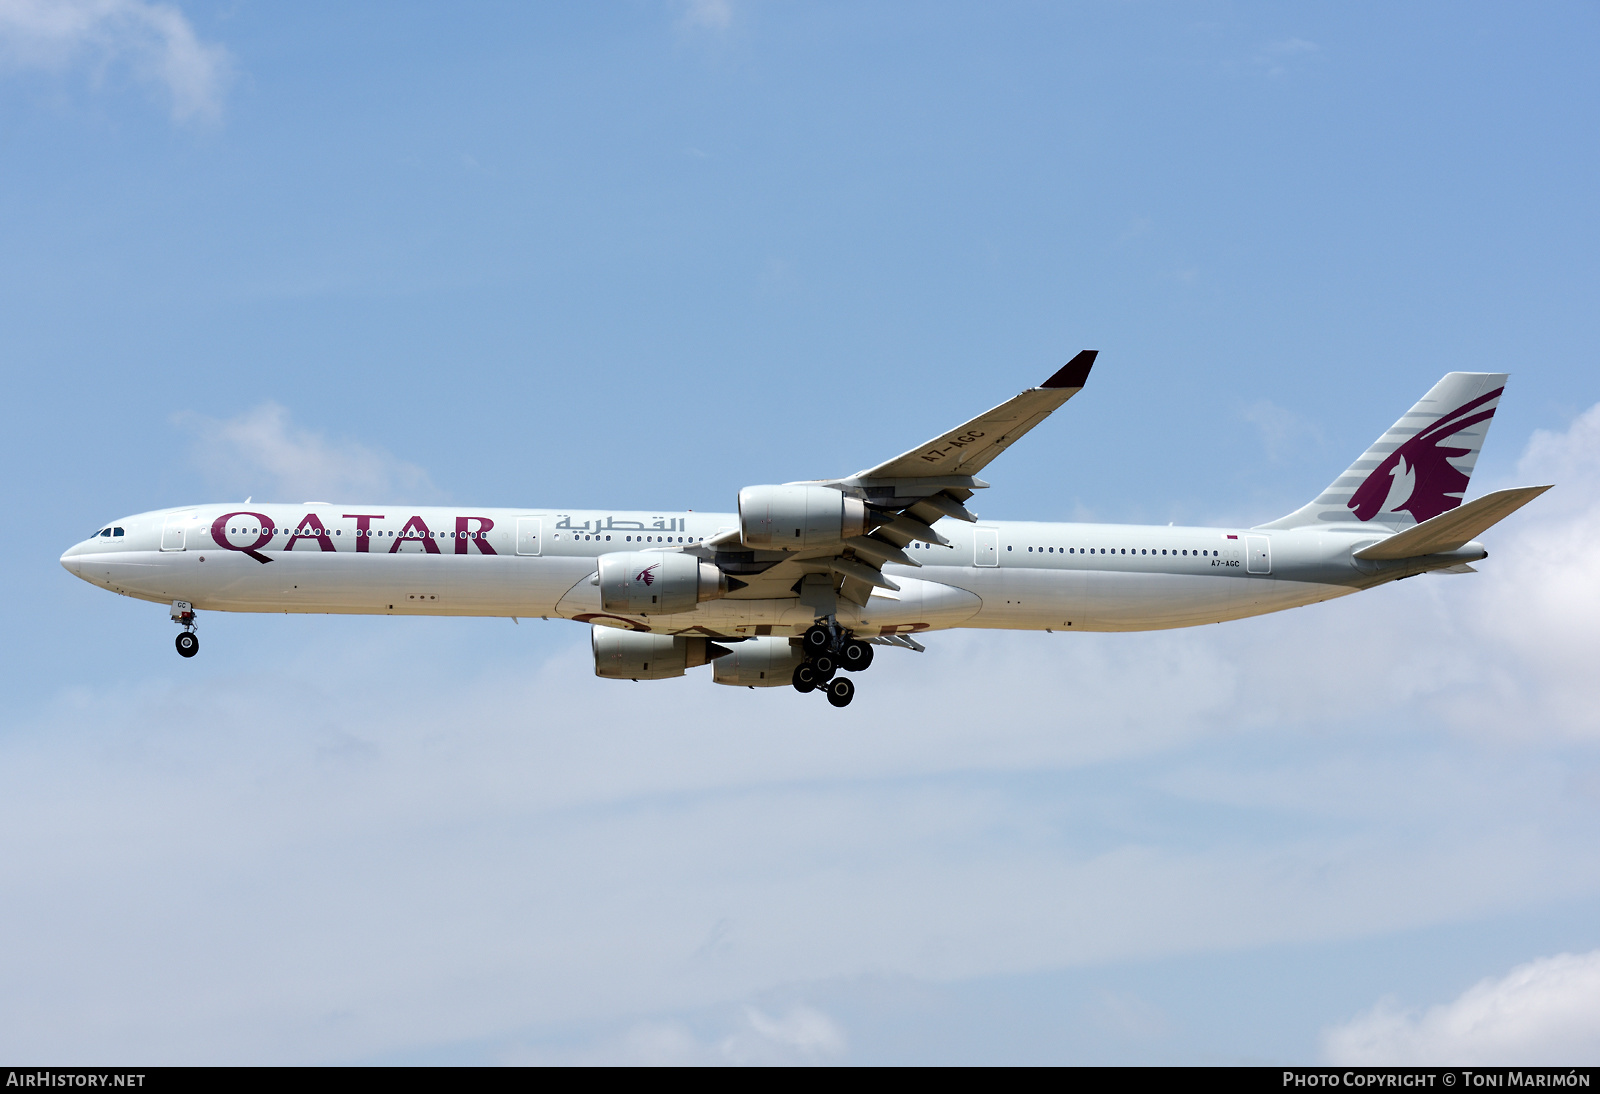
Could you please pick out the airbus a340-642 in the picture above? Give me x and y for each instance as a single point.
(808, 578)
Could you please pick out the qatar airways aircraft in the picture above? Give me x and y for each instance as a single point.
(806, 578)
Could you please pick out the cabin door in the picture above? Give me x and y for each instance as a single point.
(986, 547)
(528, 532)
(1257, 555)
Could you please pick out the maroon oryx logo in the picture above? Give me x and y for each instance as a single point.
(1417, 477)
(647, 575)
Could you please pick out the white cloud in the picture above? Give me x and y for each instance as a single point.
(1289, 47)
(1570, 458)
(1542, 609)
(1275, 57)
(1546, 1012)
(154, 39)
(1283, 432)
(708, 14)
(747, 1036)
(263, 454)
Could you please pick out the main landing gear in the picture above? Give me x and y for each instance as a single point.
(827, 650)
(183, 614)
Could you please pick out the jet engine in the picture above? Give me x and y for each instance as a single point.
(632, 655)
(759, 663)
(656, 582)
(795, 518)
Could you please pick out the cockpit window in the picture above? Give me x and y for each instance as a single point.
(116, 531)
(104, 532)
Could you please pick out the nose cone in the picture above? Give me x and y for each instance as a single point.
(72, 563)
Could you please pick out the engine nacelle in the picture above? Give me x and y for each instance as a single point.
(795, 518)
(657, 582)
(759, 663)
(633, 655)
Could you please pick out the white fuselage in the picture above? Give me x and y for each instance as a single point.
(390, 560)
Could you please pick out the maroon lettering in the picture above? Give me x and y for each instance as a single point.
(415, 524)
(219, 534)
(310, 527)
(363, 529)
(465, 536)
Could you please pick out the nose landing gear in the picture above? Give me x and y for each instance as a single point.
(188, 642)
(827, 650)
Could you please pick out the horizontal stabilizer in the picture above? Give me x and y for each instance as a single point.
(1452, 529)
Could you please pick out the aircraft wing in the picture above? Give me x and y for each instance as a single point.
(969, 447)
(905, 496)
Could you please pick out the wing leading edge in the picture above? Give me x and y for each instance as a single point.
(969, 447)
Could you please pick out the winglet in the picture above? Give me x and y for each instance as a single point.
(1075, 373)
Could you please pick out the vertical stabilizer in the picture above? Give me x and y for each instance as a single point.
(1420, 467)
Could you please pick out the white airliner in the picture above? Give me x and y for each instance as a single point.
(806, 578)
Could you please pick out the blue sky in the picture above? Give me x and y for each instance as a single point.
(645, 254)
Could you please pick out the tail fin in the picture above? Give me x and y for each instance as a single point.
(1420, 467)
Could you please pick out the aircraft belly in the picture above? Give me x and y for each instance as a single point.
(1140, 602)
(1260, 596)
(341, 582)
(1023, 599)
(918, 605)
(1099, 600)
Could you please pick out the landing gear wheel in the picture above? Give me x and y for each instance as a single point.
(841, 691)
(855, 656)
(188, 645)
(816, 639)
(825, 666)
(804, 679)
